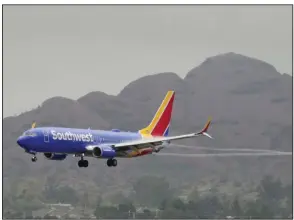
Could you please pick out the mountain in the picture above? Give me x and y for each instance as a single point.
(249, 101)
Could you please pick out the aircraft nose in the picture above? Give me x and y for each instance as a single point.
(20, 141)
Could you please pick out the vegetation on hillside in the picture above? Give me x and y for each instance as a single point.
(152, 197)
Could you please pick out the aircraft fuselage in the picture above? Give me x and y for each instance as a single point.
(70, 140)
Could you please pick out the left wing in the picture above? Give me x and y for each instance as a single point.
(152, 142)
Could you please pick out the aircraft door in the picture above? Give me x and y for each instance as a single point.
(46, 136)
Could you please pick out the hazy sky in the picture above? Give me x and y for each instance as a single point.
(72, 50)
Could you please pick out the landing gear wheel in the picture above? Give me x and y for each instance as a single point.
(86, 163)
(83, 163)
(114, 162)
(34, 159)
(111, 162)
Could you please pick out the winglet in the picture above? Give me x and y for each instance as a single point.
(205, 129)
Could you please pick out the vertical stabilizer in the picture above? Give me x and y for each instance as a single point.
(160, 123)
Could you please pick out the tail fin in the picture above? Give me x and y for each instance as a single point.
(160, 123)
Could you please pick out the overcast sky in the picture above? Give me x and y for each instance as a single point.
(72, 50)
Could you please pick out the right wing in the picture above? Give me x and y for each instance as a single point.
(152, 142)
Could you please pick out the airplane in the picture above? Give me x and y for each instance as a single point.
(56, 143)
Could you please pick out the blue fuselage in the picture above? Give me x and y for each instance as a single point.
(69, 140)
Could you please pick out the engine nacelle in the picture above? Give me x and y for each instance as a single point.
(104, 152)
(52, 156)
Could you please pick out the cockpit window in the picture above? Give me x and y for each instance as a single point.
(29, 133)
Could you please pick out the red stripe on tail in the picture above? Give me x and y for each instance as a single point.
(164, 120)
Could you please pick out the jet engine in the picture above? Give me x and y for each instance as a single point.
(103, 151)
(52, 156)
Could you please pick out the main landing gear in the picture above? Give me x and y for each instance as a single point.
(111, 162)
(83, 163)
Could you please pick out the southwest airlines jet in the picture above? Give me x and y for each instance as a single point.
(57, 142)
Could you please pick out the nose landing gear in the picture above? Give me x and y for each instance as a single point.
(34, 158)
